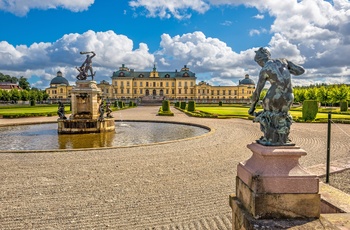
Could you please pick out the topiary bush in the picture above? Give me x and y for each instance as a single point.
(177, 104)
(344, 106)
(220, 103)
(183, 105)
(130, 104)
(310, 110)
(191, 106)
(120, 104)
(32, 102)
(166, 105)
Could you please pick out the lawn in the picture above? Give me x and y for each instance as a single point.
(30, 109)
(243, 112)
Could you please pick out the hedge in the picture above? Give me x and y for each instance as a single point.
(309, 110)
(343, 106)
(191, 106)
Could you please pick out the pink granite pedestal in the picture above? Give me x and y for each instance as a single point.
(273, 185)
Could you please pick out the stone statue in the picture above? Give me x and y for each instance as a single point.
(275, 120)
(60, 111)
(101, 110)
(108, 109)
(86, 67)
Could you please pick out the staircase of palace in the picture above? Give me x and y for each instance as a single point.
(151, 100)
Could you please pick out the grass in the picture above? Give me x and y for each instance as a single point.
(242, 111)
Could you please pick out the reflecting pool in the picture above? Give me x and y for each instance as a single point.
(45, 137)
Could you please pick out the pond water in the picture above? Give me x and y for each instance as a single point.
(45, 136)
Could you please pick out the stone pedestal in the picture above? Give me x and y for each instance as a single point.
(86, 98)
(273, 185)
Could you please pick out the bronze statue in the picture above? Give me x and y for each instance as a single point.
(101, 110)
(108, 109)
(86, 67)
(275, 120)
(61, 112)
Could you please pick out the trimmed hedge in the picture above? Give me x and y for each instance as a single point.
(191, 106)
(220, 103)
(166, 105)
(309, 110)
(177, 104)
(183, 105)
(344, 106)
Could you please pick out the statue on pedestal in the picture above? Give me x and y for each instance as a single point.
(108, 109)
(275, 120)
(101, 110)
(60, 111)
(86, 67)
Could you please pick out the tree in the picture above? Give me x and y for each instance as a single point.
(311, 93)
(299, 94)
(5, 95)
(340, 93)
(23, 83)
(323, 95)
(24, 95)
(15, 95)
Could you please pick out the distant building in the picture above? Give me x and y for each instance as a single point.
(9, 86)
(155, 85)
(128, 83)
(59, 87)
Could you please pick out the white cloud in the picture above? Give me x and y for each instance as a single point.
(226, 23)
(45, 59)
(313, 32)
(21, 8)
(259, 16)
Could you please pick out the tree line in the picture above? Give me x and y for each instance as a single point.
(26, 94)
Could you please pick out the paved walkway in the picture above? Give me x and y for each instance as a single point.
(179, 185)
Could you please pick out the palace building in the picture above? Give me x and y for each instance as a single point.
(151, 85)
(128, 83)
(59, 87)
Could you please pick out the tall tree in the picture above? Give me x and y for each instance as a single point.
(23, 83)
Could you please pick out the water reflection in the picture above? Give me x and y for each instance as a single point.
(44, 136)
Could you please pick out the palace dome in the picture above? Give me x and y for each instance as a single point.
(58, 80)
(247, 81)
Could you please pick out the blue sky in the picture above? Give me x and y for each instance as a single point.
(216, 39)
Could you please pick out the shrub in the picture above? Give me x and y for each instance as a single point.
(115, 103)
(120, 104)
(220, 103)
(310, 109)
(130, 104)
(183, 105)
(32, 103)
(166, 105)
(191, 106)
(177, 104)
(343, 106)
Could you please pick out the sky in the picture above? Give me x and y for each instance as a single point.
(216, 39)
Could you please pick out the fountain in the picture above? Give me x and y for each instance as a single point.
(87, 105)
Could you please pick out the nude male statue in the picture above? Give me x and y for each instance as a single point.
(274, 119)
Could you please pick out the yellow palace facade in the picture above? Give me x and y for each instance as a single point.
(128, 83)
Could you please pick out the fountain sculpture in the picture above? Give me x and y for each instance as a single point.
(87, 105)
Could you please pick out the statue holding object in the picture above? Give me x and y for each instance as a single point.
(86, 67)
(275, 120)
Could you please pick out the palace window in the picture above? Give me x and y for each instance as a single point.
(135, 83)
(154, 84)
(173, 91)
(224, 92)
(115, 83)
(185, 83)
(192, 91)
(167, 91)
(179, 91)
(122, 91)
(179, 83)
(135, 91)
(127, 91)
(161, 84)
(167, 75)
(173, 84)
(121, 83)
(141, 91)
(147, 84)
(127, 83)
(167, 84)
(218, 92)
(229, 92)
(235, 91)
(212, 92)
(191, 83)
(140, 83)
(199, 91)
(115, 91)
(61, 90)
(242, 91)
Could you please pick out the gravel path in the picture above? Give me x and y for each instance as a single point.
(179, 185)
